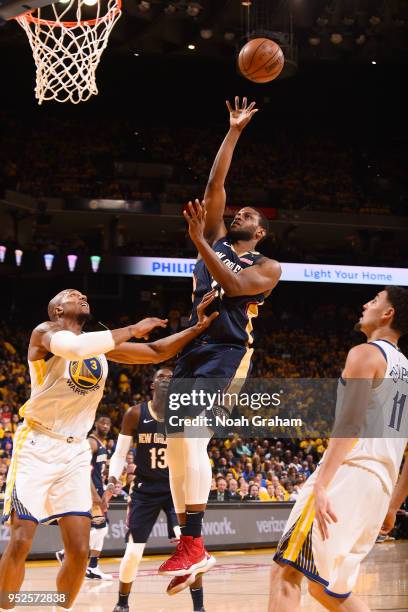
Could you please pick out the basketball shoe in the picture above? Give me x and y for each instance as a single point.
(179, 583)
(95, 573)
(190, 556)
(119, 608)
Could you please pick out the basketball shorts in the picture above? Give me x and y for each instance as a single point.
(143, 511)
(209, 368)
(47, 478)
(360, 503)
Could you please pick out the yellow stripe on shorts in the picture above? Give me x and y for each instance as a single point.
(40, 370)
(19, 440)
(301, 531)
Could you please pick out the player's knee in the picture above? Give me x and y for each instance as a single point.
(97, 537)
(130, 562)
(20, 542)
(77, 549)
(315, 589)
(286, 578)
(276, 572)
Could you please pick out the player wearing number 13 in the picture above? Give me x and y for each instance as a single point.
(150, 491)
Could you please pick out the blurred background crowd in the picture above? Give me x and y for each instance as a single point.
(294, 167)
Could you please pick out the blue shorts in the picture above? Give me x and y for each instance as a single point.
(143, 510)
(210, 368)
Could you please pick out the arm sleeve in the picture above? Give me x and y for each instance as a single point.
(70, 346)
(118, 459)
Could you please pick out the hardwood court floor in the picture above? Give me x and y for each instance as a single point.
(238, 583)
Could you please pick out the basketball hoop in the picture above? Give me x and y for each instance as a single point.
(67, 53)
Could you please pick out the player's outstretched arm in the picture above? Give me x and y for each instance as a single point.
(260, 278)
(50, 338)
(397, 499)
(215, 195)
(161, 350)
(364, 364)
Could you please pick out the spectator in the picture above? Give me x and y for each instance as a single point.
(248, 473)
(119, 494)
(221, 494)
(253, 493)
(242, 449)
(269, 494)
(243, 490)
(233, 490)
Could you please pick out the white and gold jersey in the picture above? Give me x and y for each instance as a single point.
(381, 448)
(65, 394)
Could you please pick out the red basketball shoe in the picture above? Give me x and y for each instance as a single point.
(190, 555)
(179, 583)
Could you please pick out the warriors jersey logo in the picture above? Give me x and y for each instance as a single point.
(86, 374)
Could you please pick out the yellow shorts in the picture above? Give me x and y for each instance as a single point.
(360, 503)
(47, 478)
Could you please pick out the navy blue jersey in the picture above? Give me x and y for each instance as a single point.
(98, 465)
(234, 323)
(151, 462)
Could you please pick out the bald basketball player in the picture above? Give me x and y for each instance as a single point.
(220, 361)
(49, 474)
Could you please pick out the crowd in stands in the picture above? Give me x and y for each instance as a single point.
(285, 169)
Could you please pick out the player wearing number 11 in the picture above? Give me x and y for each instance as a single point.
(341, 508)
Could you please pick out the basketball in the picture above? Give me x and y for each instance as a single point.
(261, 60)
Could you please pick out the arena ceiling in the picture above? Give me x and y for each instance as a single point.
(322, 29)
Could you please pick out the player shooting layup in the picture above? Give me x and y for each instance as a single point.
(242, 278)
(340, 510)
(49, 475)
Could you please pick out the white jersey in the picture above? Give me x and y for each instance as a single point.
(386, 427)
(65, 394)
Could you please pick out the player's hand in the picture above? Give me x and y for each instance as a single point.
(389, 522)
(203, 320)
(324, 511)
(145, 326)
(107, 495)
(240, 116)
(195, 215)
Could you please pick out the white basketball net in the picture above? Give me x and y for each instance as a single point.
(67, 53)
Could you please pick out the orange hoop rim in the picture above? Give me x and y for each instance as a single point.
(29, 17)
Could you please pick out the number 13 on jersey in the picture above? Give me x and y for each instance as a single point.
(158, 458)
